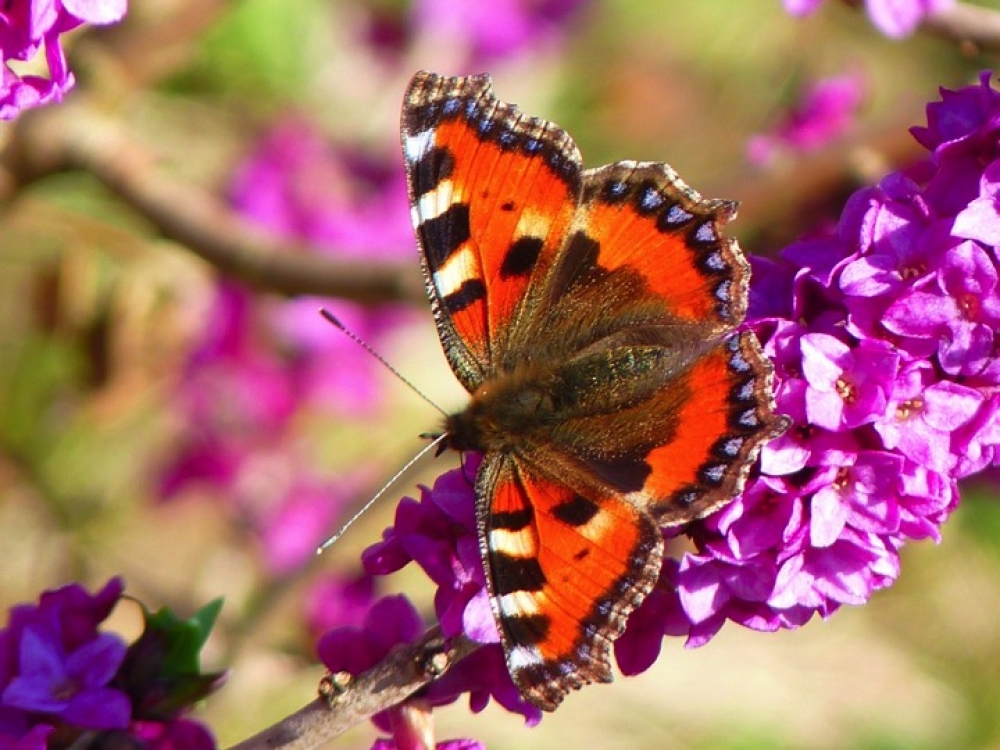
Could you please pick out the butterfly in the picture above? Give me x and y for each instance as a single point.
(593, 317)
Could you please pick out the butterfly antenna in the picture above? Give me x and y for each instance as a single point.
(332, 319)
(392, 480)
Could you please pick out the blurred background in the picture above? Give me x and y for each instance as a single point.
(173, 408)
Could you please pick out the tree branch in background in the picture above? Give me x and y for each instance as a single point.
(76, 136)
(976, 29)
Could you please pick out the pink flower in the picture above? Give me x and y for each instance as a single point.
(25, 25)
(825, 111)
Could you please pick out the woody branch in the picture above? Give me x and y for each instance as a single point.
(404, 671)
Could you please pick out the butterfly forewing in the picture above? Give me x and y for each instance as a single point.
(492, 192)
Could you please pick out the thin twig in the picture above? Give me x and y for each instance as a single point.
(976, 29)
(404, 671)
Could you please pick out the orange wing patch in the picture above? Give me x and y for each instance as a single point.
(519, 211)
(645, 218)
(566, 569)
(724, 419)
(493, 193)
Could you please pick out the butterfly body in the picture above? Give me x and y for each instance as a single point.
(592, 315)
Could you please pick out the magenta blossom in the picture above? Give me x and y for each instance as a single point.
(27, 25)
(826, 110)
(889, 373)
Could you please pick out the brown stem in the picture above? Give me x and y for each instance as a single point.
(975, 29)
(405, 670)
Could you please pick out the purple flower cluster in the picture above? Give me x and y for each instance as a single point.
(894, 18)
(882, 332)
(61, 677)
(27, 25)
(883, 337)
(263, 367)
(824, 112)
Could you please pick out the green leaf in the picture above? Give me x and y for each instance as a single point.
(184, 638)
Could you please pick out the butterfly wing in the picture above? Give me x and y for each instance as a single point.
(566, 565)
(492, 194)
(647, 268)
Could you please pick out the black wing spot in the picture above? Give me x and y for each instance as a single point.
(431, 169)
(512, 520)
(444, 234)
(467, 295)
(527, 630)
(512, 574)
(521, 256)
(576, 512)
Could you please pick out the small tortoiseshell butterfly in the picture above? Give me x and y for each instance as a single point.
(592, 315)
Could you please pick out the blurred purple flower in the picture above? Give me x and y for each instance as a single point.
(180, 734)
(355, 649)
(37, 738)
(460, 744)
(292, 528)
(825, 111)
(345, 203)
(492, 32)
(26, 25)
(262, 364)
(894, 18)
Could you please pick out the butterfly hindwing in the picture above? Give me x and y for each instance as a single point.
(686, 447)
(566, 567)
